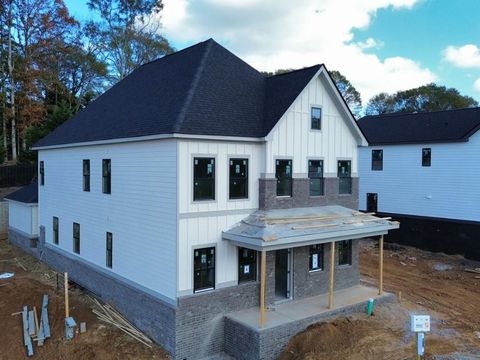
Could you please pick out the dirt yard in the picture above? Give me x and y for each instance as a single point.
(429, 283)
(31, 281)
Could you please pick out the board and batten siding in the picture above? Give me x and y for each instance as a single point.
(449, 188)
(23, 217)
(140, 212)
(293, 137)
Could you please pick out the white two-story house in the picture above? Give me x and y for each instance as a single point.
(196, 188)
(422, 169)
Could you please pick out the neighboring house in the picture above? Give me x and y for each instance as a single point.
(165, 193)
(423, 169)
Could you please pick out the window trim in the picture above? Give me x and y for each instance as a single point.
(55, 233)
(192, 177)
(41, 170)
(238, 157)
(109, 252)
(84, 177)
(109, 177)
(200, 247)
(314, 106)
(424, 164)
(79, 238)
(323, 175)
(373, 168)
(286, 158)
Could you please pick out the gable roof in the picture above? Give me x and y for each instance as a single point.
(424, 127)
(201, 90)
(27, 194)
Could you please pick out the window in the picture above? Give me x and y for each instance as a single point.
(42, 173)
(247, 265)
(203, 179)
(372, 199)
(316, 257)
(426, 157)
(316, 118)
(283, 173)
(109, 249)
(238, 178)
(86, 175)
(344, 177)
(377, 159)
(76, 238)
(315, 174)
(55, 230)
(204, 269)
(345, 252)
(107, 176)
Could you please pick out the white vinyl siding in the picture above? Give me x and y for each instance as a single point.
(23, 217)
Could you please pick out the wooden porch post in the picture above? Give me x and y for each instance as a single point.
(380, 265)
(332, 269)
(263, 276)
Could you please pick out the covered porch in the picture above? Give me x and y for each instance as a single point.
(274, 231)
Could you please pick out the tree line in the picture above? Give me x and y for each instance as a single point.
(52, 65)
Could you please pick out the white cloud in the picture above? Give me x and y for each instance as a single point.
(466, 56)
(476, 85)
(275, 34)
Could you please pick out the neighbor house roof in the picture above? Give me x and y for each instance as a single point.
(423, 127)
(201, 90)
(27, 194)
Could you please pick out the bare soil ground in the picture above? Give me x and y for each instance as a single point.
(429, 283)
(33, 279)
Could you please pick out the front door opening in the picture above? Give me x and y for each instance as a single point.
(283, 265)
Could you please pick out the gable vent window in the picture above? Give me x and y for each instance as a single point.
(426, 157)
(76, 238)
(203, 179)
(86, 175)
(283, 173)
(107, 176)
(315, 175)
(42, 173)
(238, 179)
(55, 230)
(109, 246)
(316, 118)
(377, 160)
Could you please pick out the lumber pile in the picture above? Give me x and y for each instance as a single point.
(110, 316)
(32, 328)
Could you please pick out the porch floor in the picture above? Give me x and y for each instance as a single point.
(295, 310)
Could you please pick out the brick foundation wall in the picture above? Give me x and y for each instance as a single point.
(268, 198)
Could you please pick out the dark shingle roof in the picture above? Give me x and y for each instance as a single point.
(201, 90)
(424, 127)
(27, 194)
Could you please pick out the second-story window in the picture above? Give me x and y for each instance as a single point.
(283, 174)
(76, 238)
(107, 176)
(238, 188)
(426, 157)
(86, 175)
(316, 123)
(377, 159)
(315, 175)
(345, 177)
(42, 173)
(203, 179)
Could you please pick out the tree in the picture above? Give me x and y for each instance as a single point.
(348, 92)
(429, 97)
(127, 36)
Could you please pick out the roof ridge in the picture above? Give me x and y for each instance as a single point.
(399, 113)
(191, 90)
(295, 70)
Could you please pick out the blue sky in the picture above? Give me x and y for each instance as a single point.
(380, 45)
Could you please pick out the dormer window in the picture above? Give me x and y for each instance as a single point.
(316, 117)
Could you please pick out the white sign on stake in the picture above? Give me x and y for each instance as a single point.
(420, 323)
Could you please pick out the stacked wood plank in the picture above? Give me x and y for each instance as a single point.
(34, 330)
(110, 316)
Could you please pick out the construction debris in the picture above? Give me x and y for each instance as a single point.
(6, 275)
(110, 316)
(83, 327)
(44, 327)
(27, 341)
(32, 329)
(476, 271)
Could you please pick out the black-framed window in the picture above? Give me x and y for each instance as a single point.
(203, 178)
(344, 252)
(372, 202)
(238, 188)
(76, 238)
(283, 173)
(315, 174)
(377, 159)
(55, 230)
(426, 157)
(107, 176)
(316, 116)
(109, 249)
(247, 265)
(315, 259)
(204, 269)
(42, 173)
(86, 175)
(345, 177)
